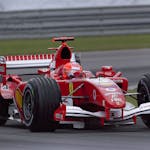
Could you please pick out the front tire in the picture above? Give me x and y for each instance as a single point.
(40, 99)
(3, 111)
(144, 95)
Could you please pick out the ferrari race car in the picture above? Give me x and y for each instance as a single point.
(64, 93)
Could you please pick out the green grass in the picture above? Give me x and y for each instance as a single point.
(130, 99)
(13, 47)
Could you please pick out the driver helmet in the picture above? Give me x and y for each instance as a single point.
(72, 70)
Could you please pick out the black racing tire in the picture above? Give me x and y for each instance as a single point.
(3, 111)
(41, 98)
(144, 95)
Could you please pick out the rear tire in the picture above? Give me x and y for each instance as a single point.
(3, 111)
(40, 99)
(144, 96)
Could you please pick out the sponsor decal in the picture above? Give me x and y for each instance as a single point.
(2, 68)
(5, 87)
(59, 116)
(116, 99)
(103, 103)
(100, 81)
(6, 92)
(106, 84)
(110, 93)
(94, 94)
(110, 89)
(118, 81)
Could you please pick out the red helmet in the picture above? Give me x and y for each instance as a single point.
(72, 70)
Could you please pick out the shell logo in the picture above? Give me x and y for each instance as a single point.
(94, 94)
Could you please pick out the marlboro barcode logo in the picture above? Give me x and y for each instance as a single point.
(29, 57)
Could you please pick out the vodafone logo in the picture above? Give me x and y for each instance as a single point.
(110, 89)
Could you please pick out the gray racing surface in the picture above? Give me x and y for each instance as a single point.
(15, 137)
(133, 63)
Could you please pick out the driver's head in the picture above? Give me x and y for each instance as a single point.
(72, 70)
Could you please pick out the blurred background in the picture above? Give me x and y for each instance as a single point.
(9, 5)
(48, 18)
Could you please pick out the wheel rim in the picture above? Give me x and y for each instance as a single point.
(28, 106)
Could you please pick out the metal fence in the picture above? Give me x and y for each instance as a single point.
(75, 22)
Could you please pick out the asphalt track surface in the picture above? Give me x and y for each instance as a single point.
(133, 63)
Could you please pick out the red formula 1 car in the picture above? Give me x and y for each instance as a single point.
(64, 93)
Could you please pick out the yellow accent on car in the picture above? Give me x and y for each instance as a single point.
(70, 88)
(18, 97)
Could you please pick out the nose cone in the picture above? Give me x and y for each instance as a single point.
(108, 93)
(115, 100)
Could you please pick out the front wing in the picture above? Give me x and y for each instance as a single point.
(116, 116)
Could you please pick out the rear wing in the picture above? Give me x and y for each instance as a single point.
(27, 61)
